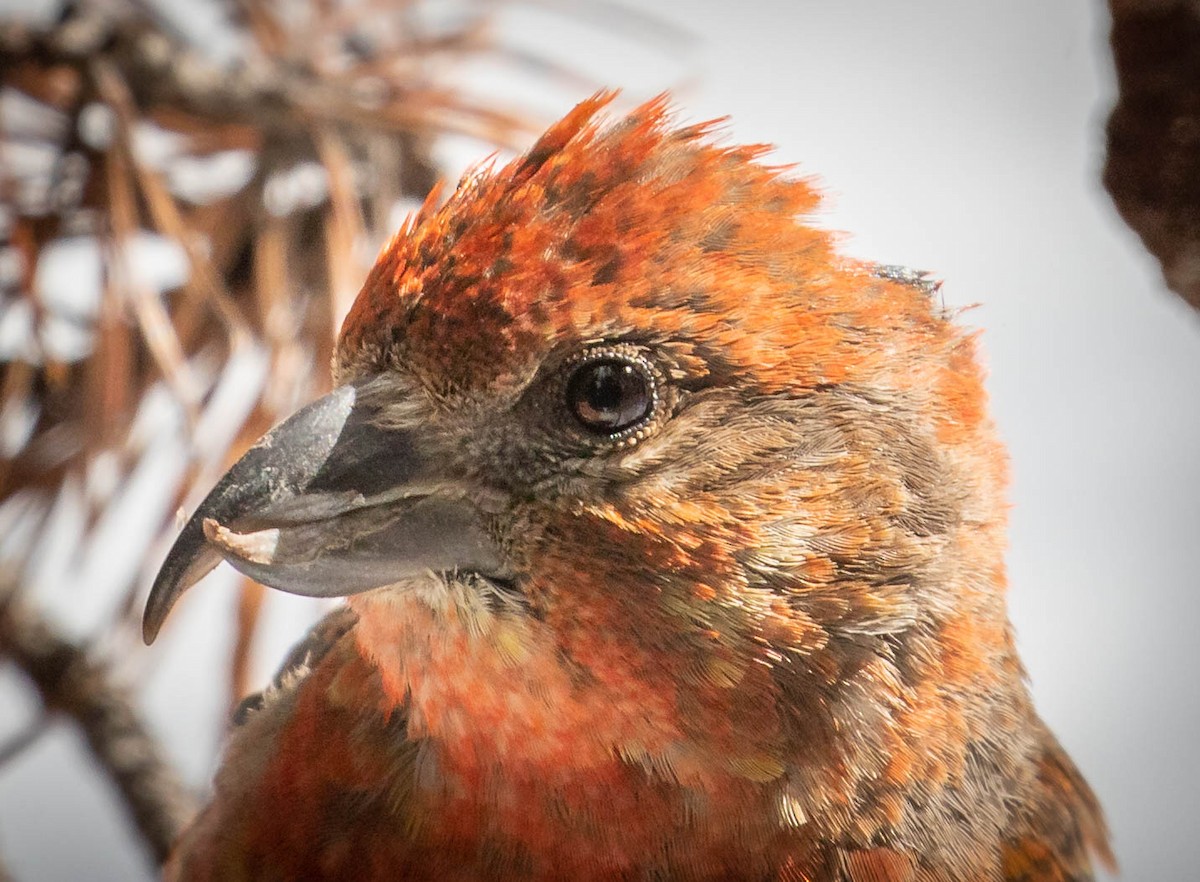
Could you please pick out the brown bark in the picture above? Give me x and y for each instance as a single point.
(1153, 164)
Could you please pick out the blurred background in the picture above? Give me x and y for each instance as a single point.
(191, 192)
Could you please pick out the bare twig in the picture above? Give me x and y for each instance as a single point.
(23, 740)
(72, 683)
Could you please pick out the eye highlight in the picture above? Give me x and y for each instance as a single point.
(609, 394)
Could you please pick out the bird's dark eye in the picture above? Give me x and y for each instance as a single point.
(610, 395)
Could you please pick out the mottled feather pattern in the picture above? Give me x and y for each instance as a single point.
(761, 637)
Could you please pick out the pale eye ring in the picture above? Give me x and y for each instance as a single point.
(609, 394)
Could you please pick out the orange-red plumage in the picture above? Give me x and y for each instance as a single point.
(726, 601)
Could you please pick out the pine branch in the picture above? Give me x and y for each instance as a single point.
(77, 685)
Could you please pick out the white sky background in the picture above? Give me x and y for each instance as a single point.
(957, 137)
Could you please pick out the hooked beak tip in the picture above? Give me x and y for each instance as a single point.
(328, 504)
(172, 580)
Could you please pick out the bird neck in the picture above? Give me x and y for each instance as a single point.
(515, 695)
(517, 736)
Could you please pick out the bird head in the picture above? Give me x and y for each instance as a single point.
(625, 389)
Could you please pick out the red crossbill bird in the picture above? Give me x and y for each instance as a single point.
(673, 542)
